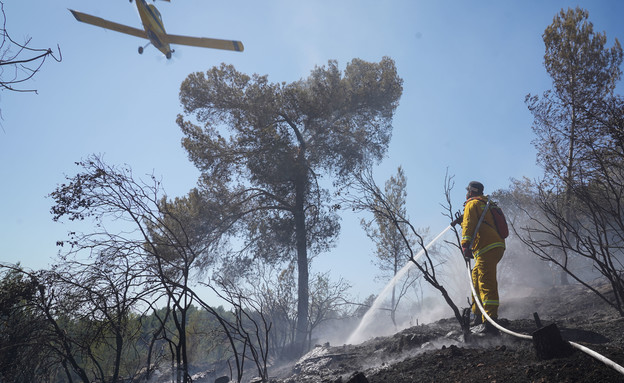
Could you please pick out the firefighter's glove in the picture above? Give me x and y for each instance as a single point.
(467, 252)
(459, 218)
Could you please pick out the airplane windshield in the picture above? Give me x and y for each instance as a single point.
(155, 12)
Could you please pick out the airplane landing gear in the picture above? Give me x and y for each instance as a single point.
(142, 48)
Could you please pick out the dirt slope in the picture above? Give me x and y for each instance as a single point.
(437, 352)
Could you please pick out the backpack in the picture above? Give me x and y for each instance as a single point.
(499, 220)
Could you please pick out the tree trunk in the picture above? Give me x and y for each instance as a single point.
(183, 352)
(118, 349)
(67, 372)
(568, 192)
(65, 347)
(302, 264)
(393, 304)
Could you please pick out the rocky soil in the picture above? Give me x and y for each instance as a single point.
(437, 352)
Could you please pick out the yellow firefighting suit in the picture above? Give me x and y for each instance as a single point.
(488, 248)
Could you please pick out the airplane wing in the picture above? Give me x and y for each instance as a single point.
(231, 45)
(83, 17)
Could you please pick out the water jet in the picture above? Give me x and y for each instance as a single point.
(367, 320)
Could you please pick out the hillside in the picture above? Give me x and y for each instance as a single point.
(437, 353)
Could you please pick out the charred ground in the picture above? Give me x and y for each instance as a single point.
(437, 353)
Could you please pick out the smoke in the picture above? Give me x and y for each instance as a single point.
(520, 274)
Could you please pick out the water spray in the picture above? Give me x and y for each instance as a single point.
(367, 318)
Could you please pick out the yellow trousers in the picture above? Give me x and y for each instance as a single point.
(485, 283)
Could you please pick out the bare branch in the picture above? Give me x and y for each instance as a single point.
(14, 57)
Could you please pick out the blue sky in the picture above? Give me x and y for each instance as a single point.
(467, 67)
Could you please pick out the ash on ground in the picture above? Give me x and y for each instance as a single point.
(437, 352)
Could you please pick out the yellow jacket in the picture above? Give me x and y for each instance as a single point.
(487, 238)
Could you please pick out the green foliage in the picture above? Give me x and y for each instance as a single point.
(582, 69)
(207, 341)
(23, 358)
(342, 122)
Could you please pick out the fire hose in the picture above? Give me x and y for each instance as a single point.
(586, 350)
(580, 347)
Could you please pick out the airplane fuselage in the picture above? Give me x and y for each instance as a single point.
(154, 27)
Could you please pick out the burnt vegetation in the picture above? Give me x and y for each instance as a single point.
(126, 297)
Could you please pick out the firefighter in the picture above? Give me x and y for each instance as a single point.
(487, 250)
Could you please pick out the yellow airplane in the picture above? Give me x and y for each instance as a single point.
(154, 31)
